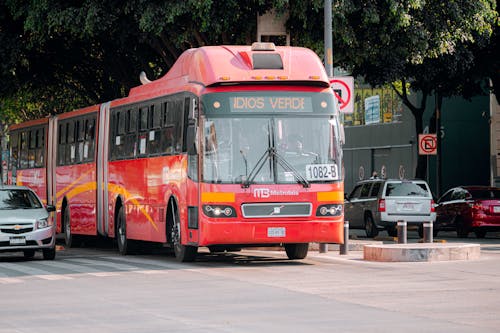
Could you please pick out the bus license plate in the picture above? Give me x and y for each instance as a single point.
(322, 172)
(17, 241)
(276, 232)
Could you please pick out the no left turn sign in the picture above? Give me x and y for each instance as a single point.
(427, 144)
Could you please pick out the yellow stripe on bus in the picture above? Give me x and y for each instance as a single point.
(331, 196)
(217, 197)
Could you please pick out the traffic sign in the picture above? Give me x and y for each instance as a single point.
(343, 88)
(427, 144)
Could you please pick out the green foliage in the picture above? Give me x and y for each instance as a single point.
(58, 55)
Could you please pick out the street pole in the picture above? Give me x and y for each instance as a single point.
(328, 39)
(438, 143)
(323, 248)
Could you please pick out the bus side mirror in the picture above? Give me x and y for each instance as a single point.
(191, 138)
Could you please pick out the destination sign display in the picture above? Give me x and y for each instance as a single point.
(270, 104)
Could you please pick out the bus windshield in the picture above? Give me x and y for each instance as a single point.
(269, 147)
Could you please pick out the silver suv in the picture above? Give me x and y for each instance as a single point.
(378, 204)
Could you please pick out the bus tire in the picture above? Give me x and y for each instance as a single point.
(121, 232)
(183, 253)
(68, 236)
(296, 251)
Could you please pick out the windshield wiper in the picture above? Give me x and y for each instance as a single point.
(281, 161)
(256, 169)
(288, 167)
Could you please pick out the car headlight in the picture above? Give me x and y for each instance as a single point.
(43, 223)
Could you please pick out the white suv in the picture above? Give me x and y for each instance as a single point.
(378, 204)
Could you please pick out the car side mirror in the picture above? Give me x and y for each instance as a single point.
(50, 208)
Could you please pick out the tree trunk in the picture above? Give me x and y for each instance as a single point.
(418, 112)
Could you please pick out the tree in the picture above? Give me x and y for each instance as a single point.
(433, 46)
(64, 55)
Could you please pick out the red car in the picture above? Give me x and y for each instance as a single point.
(469, 208)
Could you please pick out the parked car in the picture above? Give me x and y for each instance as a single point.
(378, 204)
(469, 208)
(25, 224)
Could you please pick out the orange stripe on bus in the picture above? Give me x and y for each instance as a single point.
(331, 196)
(116, 189)
(217, 197)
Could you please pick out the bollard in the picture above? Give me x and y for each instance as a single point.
(323, 247)
(401, 232)
(428, 232)
(344, 248)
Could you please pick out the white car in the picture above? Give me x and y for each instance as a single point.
(378, 204)
(25, 224)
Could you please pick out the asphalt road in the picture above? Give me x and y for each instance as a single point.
(94, 289)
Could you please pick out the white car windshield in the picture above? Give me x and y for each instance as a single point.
(18, 199)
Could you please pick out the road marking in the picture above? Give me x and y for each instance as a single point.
(10, 280)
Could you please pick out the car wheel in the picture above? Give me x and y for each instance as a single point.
(49, 254)
(183, 253)
(462, 229)
(392, 231)
(297, 251)
(28, 254)
(480, 233)
(370, 228)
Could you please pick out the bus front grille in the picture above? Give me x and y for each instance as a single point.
(277, 209)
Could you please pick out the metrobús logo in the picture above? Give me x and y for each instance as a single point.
(263, 192)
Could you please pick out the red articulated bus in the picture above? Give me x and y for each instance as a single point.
(236, 146)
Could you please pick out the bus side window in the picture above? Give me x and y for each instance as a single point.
(39, 147)
(23, 151)
(131, 137)
(166, 140)
(90, 140)
(61, 147)
(14, 150)
(154, 133)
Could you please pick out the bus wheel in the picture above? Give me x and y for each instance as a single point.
(297, 251)
(68, 236)
(121, 232)
(183, 253)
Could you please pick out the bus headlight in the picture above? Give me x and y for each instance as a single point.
(219, 211)
(329, 210)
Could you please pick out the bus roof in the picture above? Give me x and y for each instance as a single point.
(230, 64)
